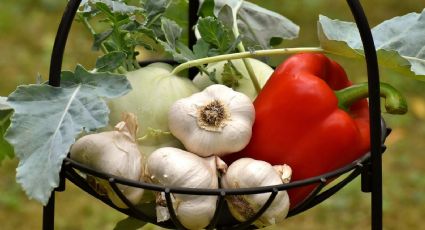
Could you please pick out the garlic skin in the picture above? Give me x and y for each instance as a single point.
(216, 121)
(174, 167)
(246, 173)
(114, 152)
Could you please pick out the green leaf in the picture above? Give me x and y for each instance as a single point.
(400, 42)
(85, 6)
(206, 8)
(47, 120)
(227, 16)
(339, 37)
(6, 150)
(110, 61)
(154, 9)
(405, 35)
(172, 44)
(117, 6)
(101, 37)
(212, 75)
(260, 27)
(230, 75)
(4, 105)
(181, 53)
(172, 31)
(213, 31)
(103, 7)
(201, 48)
(185, 51)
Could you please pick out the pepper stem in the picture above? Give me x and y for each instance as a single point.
(395, 103)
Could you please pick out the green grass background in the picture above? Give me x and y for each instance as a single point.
(27, 30)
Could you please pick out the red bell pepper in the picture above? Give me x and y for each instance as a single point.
(302, 122)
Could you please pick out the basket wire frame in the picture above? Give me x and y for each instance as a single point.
(369, 166)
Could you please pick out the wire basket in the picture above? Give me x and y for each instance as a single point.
(222, 218)
(368, 166)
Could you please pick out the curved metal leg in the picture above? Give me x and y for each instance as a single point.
(374, 114)
(49, 214)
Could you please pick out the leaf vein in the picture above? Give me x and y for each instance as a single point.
(62, 118)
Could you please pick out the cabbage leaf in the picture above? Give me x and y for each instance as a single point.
(400, 42)
(6, 150)
(47, 120)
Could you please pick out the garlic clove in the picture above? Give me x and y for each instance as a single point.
(221, 165)
(285, 171)
(247, 172)
(197, 213)
(175, 167)
(114, 152)
(162, 212)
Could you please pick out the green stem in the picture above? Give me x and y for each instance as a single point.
(395, 103)
(152, 133)
(103, 48)
(153, 20)
(158, 16)
(92, 31)
(136, 64)
(251, 73)
(241, 55)
(241, 48)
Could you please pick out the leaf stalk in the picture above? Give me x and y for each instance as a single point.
(246, 54)
(241, 48)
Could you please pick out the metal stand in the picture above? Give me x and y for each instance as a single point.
(374, 111)
(371, 171)
(49, 214)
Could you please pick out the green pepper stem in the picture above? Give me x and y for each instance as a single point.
(395, 103)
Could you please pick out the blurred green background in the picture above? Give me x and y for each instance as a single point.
(27, 30)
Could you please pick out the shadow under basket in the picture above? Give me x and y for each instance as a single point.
(222, 219)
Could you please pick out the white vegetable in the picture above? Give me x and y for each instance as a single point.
(114, 152)
(174, 167)
(216, 121)
(262, 72)
(247, 173)
(154, 91)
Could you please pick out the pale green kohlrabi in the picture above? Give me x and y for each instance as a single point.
(244, 84)
(154, 91)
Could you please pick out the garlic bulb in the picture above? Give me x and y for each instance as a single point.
(174, 167)
(216, 121)
(246, 173)
(114, 152)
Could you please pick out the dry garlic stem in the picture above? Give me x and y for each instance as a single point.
(246, 173)
(114, 152)
(174, 167)
(216, 121)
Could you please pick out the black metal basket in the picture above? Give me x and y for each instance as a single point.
(369, 166)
